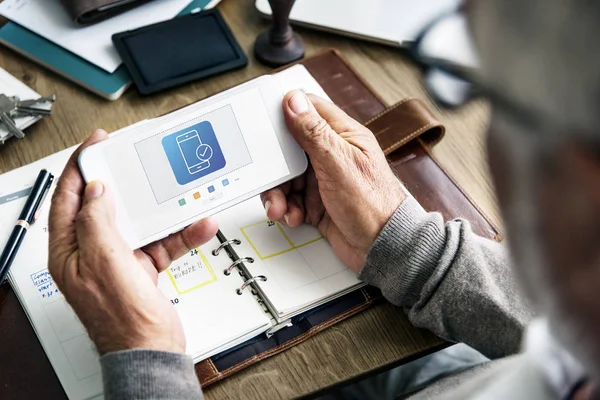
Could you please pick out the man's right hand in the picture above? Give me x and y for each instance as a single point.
(111, 288)
(349, 191)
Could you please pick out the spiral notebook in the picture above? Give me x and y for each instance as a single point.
(251, 279)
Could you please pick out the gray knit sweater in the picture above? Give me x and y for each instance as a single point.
(446, 278)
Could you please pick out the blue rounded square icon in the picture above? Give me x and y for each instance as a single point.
(193, 152)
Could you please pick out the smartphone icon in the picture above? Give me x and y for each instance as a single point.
(195, 154)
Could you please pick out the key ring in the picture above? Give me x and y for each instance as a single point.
(227, 271)
(261, 278)
(216, 251)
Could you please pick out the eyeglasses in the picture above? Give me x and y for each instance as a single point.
(445, 52)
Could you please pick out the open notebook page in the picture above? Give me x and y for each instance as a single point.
(301, 268)
(63, 338)
(214, 316)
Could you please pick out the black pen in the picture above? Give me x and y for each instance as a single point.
(28, 216)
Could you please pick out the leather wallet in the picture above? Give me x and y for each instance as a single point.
(85, 12)
(406, 133)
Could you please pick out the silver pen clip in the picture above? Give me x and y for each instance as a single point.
(41, 206)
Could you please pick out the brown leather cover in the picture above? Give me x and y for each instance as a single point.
(85, 12)
(405, 131)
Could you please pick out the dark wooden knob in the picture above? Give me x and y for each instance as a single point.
(279, 45)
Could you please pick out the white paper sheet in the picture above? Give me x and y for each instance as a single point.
(385, 21)
(49, 19)
(301, 268)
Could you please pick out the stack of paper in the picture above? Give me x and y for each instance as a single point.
(43, 31)
(49, 19)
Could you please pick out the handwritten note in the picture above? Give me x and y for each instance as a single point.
(46, 288)
(73, 339)
(191, 272)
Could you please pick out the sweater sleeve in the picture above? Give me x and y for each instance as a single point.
(449, 280)
(149, 374)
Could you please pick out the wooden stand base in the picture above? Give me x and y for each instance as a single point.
(276, 55)
(279, 45)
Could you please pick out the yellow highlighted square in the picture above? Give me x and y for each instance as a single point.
(191, 272)
(270, 239)
(196, 195)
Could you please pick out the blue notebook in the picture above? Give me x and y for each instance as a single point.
(71, 66)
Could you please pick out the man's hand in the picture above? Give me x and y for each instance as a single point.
(349, 192)
(111, 288)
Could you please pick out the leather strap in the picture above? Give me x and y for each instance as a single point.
(403, 122)
(406, 132)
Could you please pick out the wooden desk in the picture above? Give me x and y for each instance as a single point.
(373, 339)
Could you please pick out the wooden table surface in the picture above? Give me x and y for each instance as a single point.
(375, 338)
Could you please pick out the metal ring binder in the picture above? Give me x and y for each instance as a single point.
(236, 263)
(216, 251)
(261, 278)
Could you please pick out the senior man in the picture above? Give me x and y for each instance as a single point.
(539, 61)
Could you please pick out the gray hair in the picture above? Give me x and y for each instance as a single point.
(540, 55)
(543, 54)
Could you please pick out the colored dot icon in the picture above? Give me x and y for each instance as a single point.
(225, 182)
(182, 202)
(211, 189)
(196, 196)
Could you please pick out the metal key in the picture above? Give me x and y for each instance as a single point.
(10, 126)
(30, 111)
(27, 107)
(29, 103)
(7, 106)
(12, 107)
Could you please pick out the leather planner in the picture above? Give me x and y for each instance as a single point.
(406, 132)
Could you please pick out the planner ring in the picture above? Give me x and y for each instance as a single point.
(227, 271)
(216, 251)
(261, 278)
